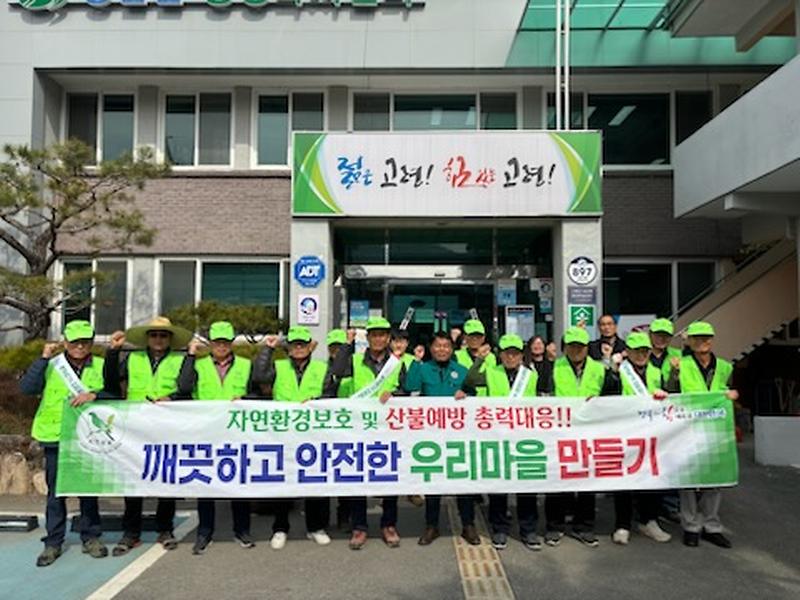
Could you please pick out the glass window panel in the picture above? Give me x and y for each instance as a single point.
(692, 111)
(638, 289)
(421, 112)
(241, 283)
(498, 111)
(179, 130)
(273, 130)
(177, 284)
(82, 120)
(635, 127)
(215, 129)
(117, 126)
(525, 247)
(357, 246)
(307, 114)
(109, 312)
(78, 301)
(694, 281)
(440, 246)
(371, 112)
(575, 109)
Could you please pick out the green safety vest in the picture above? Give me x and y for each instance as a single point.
(407, 360)
(692, 379)
(286, 388)
(566, 384)
(498, 385)
(142, 382)
(463, 357)
(666, 369)
(47, 422)
(652, 377)
(345, 388)
(363, 376)
(209, 387)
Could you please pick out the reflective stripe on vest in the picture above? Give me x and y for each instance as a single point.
(498, 386)
(143, 383)
(463, 358)
(285, 387)
(566, 384)
(692, 379)
(47, 422)
(363, 376)
(209, 387)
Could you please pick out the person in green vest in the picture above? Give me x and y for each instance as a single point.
(664, 356)
(702, 371)
(74, 377)
(647, 378)
(577, 375)
(442, 377)
(149, 374)
(475, 336)
(510, 379)
(294, 379)
(219, 376)
(399, 346)
(376, 373)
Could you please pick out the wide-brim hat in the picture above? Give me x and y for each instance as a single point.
(137, 336)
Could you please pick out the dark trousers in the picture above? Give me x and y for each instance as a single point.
(56, 512)
(527, 513)
(206, 515)
(132, 517)
(580, 505)
(647, 504)
(433, 507)
(318, 513)
(359, 512)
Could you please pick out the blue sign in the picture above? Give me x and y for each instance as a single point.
(309, 271)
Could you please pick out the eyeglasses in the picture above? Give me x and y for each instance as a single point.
(158, 334)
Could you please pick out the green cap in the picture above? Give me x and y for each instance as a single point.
(511, 340)
(638, 339)
(474, 326)
(221, 330)
(576, 335)
(378, 323)
(700, 328)
(662, 326)
(298, 334)
(78, 330)
(336, 336)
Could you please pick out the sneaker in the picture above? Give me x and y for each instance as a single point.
(553, 538)
(588, 538)
(125, 545)
(499, 541)
(48, 556)
(531, 541)
(691, 539)
(278, 540)
(320, 536)
(167, 540)
(244, 539)
(470, 535)
(95, 548)
(390, 536)
(201, 545)
(358, 539)
(717, 539)
(621, 536)
(652, 530)
(428, 536)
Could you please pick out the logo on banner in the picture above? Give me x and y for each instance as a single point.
(309, 271)
(99, 430)
(582, 270)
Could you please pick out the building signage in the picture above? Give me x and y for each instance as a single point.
(582, 270)
(308, 309)
(53, 5)
(309, 271)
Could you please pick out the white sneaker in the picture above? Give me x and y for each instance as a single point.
(319, 536)
(653, 530)
(621, 536)
(278, 540)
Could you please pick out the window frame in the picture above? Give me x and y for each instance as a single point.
(100, 94)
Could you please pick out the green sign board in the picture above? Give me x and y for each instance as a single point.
(581, 313)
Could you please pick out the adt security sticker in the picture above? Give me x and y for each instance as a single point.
(309, 271)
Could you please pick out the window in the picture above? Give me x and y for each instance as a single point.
(638, 289)
(360, 246)
(440, 246)
(273, 130)
(177, 284)
(694, 281)
(498, 111)
(525, 247)
(205, 118)
(105, 305)
(635, 127)
(575, 109)
(117, 125)
(307, 113)
(426, 112)
(371, 112)
(241, 283)
(692, 111)
(78, 296)
(82, 120)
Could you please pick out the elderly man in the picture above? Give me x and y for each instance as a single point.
(149, 374)
(598, 349)
(475, 335)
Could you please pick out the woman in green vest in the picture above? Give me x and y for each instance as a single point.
(702, 371)
(146, 375)
(219, 376)
(294, 379)
(475, 336)
(637, 374)
(74, 377)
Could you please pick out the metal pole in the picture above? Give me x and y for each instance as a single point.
(558, 63)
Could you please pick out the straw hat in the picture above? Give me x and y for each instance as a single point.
(137, 336)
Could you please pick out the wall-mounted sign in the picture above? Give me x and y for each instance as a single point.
(582, 270)
(309, 271)
(254, 4)
(308, 309)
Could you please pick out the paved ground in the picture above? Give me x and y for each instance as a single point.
(761, 515)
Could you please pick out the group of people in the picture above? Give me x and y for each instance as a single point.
(153, 368)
